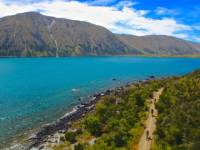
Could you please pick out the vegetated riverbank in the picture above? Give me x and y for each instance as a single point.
(116, 119)
(65, 122)
(52, 135)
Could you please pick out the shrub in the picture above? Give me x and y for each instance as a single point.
(70, 136)
(79, 146)
(92, 124)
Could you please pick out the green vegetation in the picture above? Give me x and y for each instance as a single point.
(118, 118)
(178, 125)
(70, 136)
(116, 122)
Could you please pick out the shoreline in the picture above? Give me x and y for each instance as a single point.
(130, 55)
(60, 126)
(36, 139)
(50, 134)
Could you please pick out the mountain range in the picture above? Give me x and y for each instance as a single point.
(33, 34)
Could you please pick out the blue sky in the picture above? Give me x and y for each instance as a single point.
(178, 18)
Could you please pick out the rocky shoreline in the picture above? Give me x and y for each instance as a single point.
(51, 133)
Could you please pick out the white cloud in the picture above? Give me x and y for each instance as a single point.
(126, 3)
(101, 2)
(126, 20)
(165, 11)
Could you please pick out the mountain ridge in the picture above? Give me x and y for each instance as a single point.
(33, 34)
(161, 44)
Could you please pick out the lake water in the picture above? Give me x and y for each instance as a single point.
(36, 91)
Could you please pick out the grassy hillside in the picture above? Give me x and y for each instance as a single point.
(178, 126)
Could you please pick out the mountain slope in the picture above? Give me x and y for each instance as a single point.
(33, 34)
(160, 44)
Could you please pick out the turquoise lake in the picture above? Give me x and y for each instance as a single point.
(36, 91)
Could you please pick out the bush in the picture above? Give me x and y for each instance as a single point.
(79, 146)
(92, 124)
(70, 136)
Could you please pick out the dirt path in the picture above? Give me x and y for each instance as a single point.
(146, 138)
